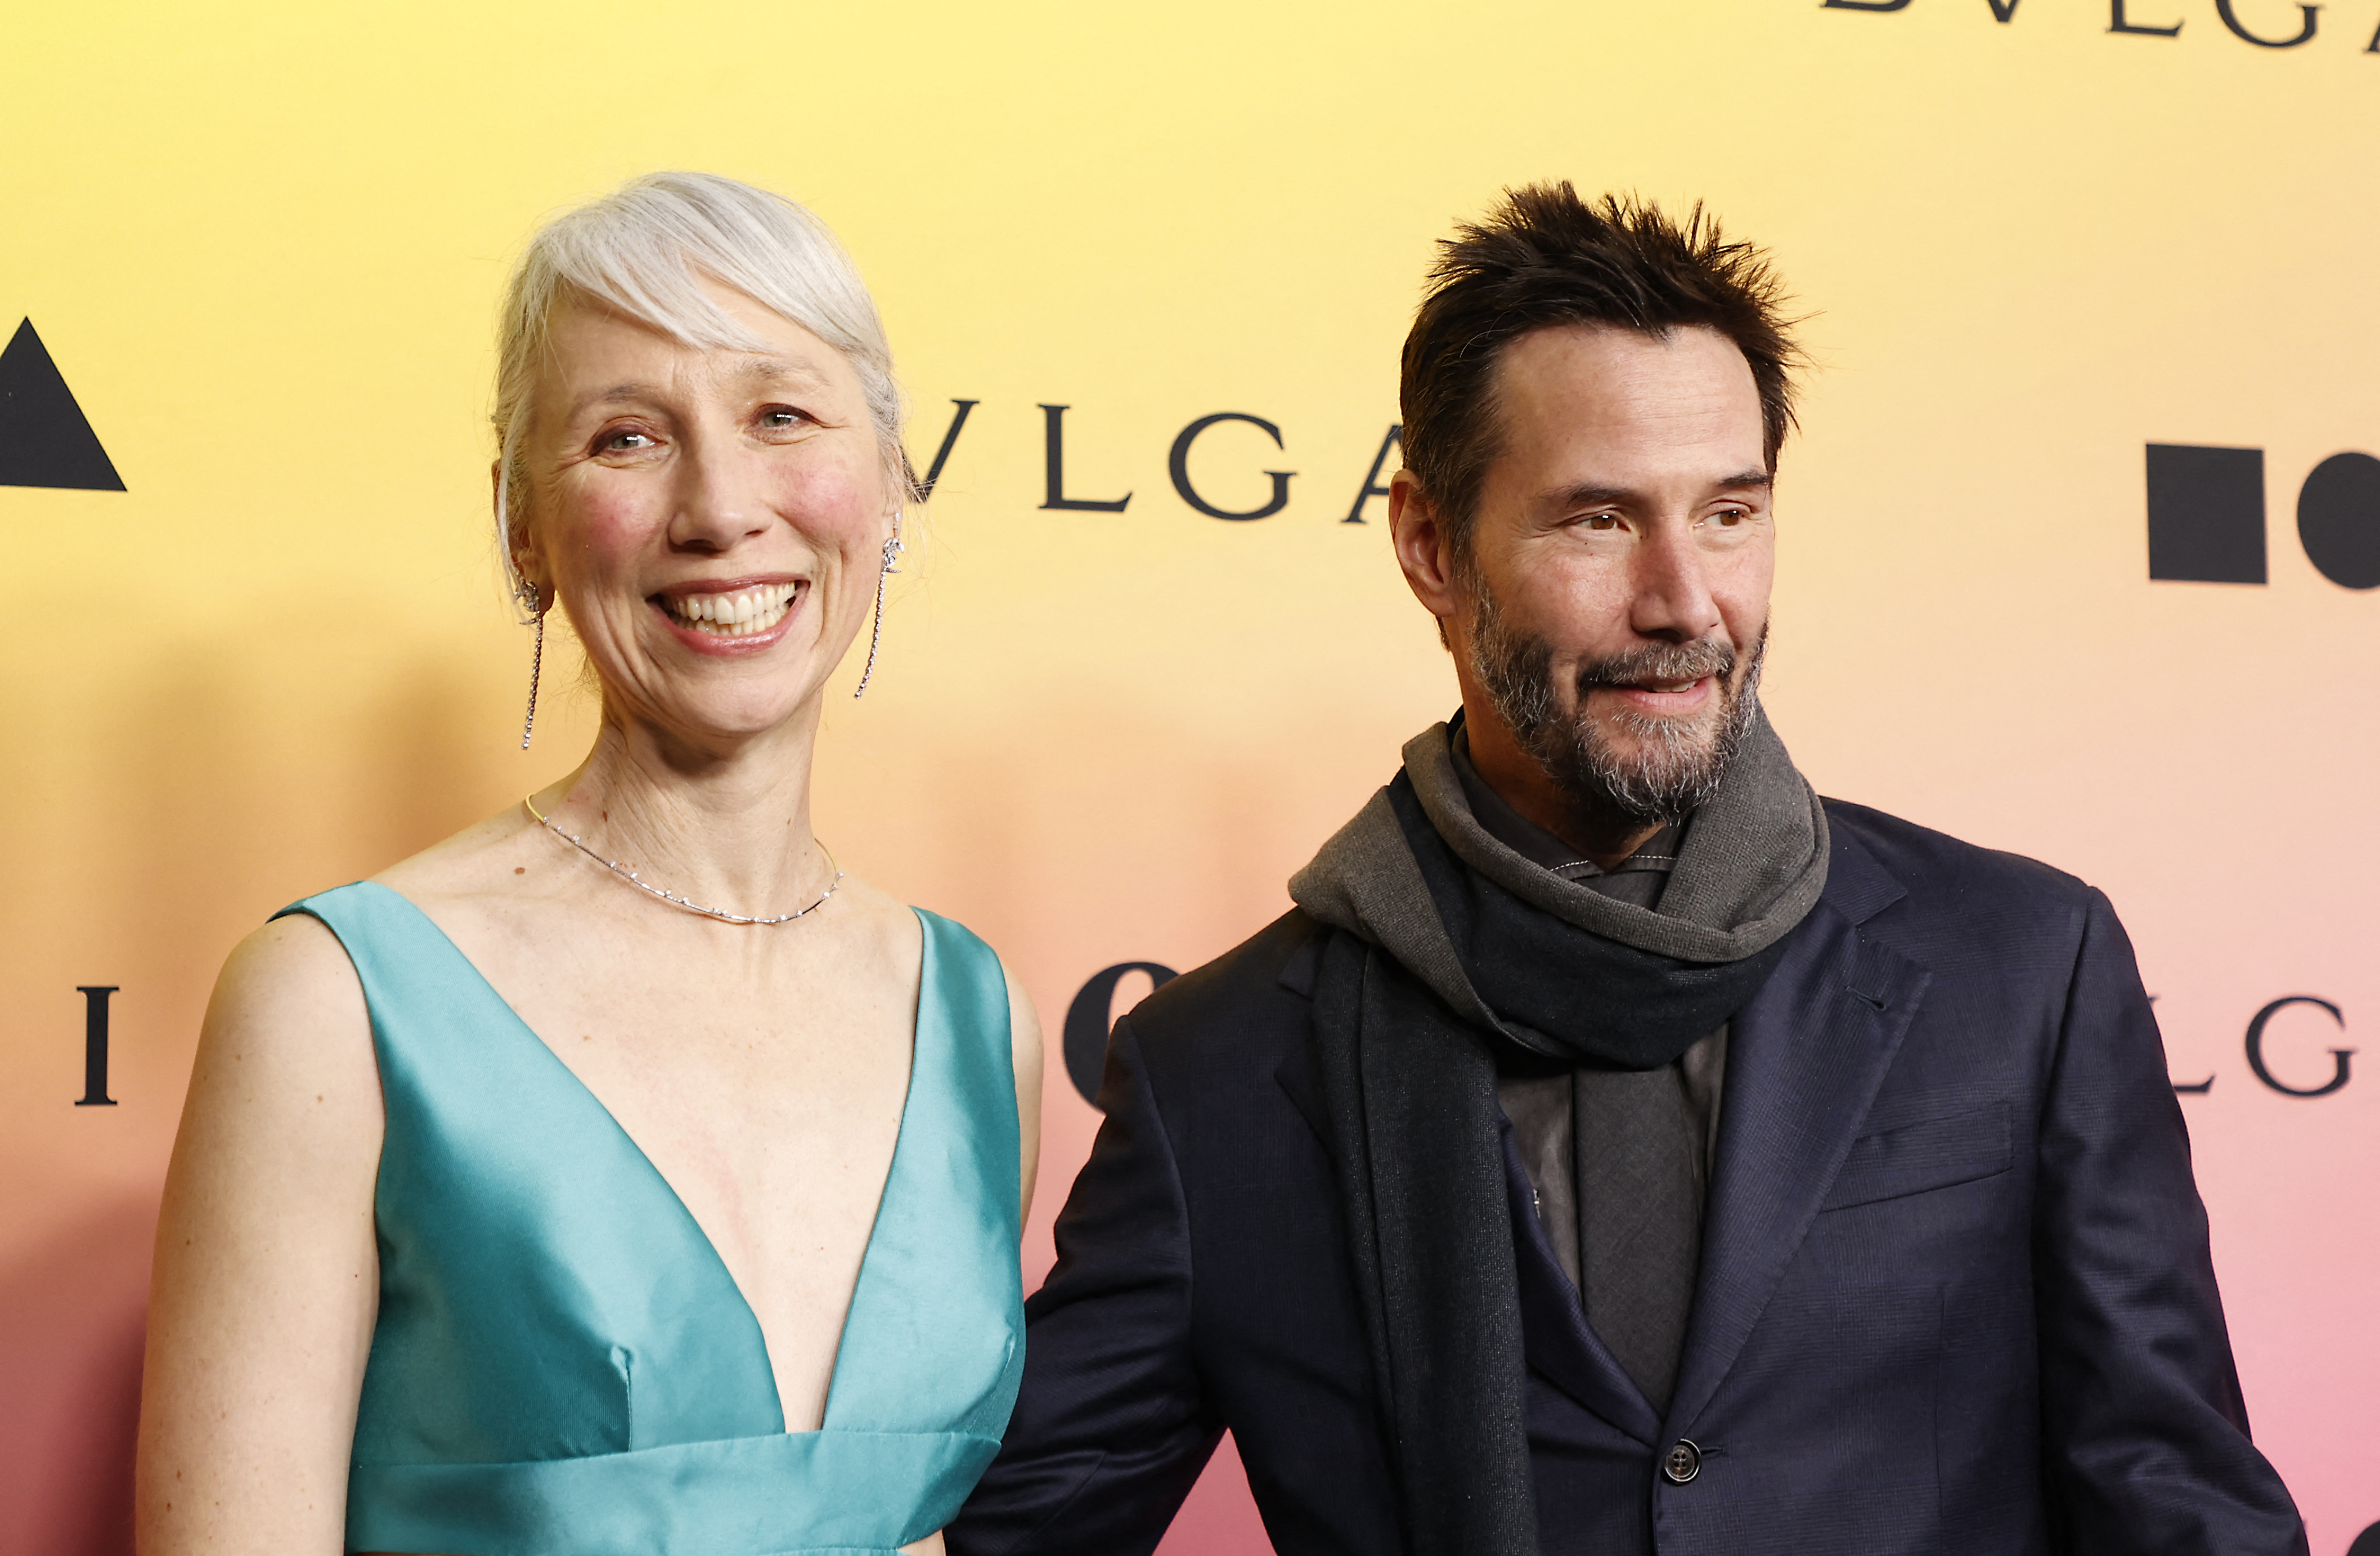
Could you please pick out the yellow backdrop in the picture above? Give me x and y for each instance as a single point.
(263, 246)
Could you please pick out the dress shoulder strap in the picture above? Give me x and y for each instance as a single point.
(942, 1272)
(964, 989)
(389, 941)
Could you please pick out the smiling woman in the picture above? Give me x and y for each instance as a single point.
(617, 1176)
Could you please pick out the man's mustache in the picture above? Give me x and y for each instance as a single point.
(1659, 661)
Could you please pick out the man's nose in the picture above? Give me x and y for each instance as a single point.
(721, 499)
(1671, 598)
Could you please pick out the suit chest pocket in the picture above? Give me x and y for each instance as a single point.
(1928, 1154)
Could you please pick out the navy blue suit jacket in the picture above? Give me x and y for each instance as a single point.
(1955, 1293)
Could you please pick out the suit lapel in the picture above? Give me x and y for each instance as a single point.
(1558, 1340)
(1805, 1058)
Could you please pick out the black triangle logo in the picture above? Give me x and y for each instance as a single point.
(44, 438)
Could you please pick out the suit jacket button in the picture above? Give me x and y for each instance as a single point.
(1682, 1462)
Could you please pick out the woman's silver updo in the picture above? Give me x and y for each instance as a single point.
(645, 250)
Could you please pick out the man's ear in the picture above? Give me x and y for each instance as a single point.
(1423, 548)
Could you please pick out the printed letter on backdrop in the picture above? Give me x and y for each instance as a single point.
(1178, 463)
(2305, 26)
(2115, 23)
(1054, 445)
(1091, 1018)
(94, 1044)
(2256, 1049)
(1372, 487)
(943, 455)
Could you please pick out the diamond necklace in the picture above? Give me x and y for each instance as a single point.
(528, 803)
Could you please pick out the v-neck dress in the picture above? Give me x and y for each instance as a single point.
(563, 1367)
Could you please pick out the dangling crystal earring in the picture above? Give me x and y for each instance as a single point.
(893, 550)
(526, 595)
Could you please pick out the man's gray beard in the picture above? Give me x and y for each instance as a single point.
(1677, 767)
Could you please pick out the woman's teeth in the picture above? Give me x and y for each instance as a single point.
(740, 614)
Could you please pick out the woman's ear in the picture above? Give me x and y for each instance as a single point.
(533, 591)
(519, 548)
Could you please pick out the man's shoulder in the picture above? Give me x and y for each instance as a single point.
(1938, 872)
(1258, 993)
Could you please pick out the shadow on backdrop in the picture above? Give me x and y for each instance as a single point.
(71, 1323)
(231, 791)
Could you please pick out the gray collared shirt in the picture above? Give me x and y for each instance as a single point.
(1543, 1109)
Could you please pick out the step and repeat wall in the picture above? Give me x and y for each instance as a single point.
(2078, 539)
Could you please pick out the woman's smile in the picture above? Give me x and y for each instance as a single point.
(732, 616)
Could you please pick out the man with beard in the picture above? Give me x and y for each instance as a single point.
(1619, 1148)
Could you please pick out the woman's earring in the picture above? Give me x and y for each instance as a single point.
(893, 550)
(526, 596)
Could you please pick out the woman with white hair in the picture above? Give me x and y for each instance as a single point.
(618, 1177)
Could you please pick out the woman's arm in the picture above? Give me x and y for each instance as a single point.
(267, 1275)
(1025, 1049)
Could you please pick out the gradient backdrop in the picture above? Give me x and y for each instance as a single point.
(263, 245)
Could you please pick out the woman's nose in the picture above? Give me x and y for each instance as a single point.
(721, 499)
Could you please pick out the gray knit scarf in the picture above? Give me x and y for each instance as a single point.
(1449, 942)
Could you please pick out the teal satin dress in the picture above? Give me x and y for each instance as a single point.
(563, 1365)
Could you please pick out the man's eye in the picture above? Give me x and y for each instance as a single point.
(1601, 521)
(1730, 516)
(627, 442)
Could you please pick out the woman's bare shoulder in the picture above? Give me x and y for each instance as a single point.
(883, 927)
(285, 1073)
(264, 1285)
(292, 968)
(484, 859)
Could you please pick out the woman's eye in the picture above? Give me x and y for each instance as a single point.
(625, 441)
(781, 418)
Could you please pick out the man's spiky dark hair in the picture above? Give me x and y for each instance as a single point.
(1547, 256)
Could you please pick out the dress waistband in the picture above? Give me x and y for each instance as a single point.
(766, 1495)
